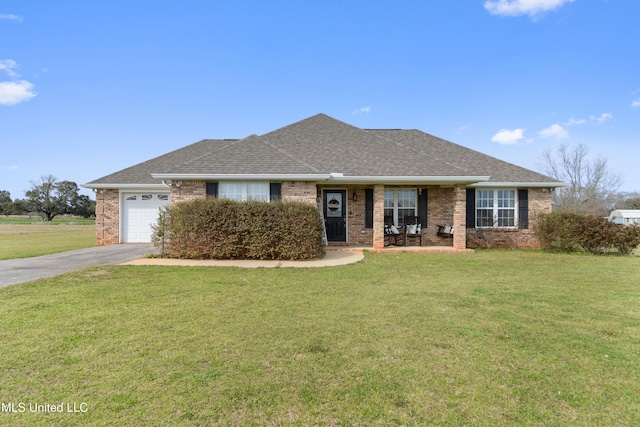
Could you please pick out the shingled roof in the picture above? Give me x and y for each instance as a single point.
(323, 146)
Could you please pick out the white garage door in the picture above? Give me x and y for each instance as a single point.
(139, 214)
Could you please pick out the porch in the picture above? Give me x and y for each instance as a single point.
(355, 216)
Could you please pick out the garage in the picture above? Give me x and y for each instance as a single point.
(139, 214)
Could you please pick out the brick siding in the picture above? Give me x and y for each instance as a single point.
(302, 191)
(107, 217)
(445, 206)
(188, 190)
(539, 202)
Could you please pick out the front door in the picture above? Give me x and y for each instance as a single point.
(335, 215)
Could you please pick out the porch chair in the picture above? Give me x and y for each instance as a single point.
(445, 230)
(413, 229)
(392, 232)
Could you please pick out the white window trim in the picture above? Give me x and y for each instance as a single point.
(496, 208)
(243, 185)
(395, 202)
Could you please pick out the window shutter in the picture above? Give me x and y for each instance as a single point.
(523, 208)
(422, 206)
(212, 189)
(275, 191)
(471, 208)
(368, 208)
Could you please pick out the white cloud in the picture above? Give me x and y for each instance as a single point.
(598, 120)
(7, 65)
(11, 17)
(603, 118)
(554, 131)
(10, 168)
(363, 110)
(636, 103)
(14, 91)
(533, 8)
(573, 122)
(508, 137)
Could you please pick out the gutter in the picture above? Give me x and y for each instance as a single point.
(331, 177)
(158, 186)
(470, 181)
(241, 177)
(535, 184)
(439, 180)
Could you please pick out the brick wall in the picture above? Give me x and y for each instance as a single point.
(440, 205)
(445, 206)
(107, 217)
(302, 191)
(539, 202)
(188, 190)
(359, 235)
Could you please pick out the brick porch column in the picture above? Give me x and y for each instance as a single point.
(378, 216)
(460, 217)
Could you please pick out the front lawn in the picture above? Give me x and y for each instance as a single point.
(22, 239)
(490, 338)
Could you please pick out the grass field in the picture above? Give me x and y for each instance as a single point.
(34, 219)
(491, 338)
(22, 237)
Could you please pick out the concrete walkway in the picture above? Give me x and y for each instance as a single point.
(21, 270)
(14, 271)
(333, 258)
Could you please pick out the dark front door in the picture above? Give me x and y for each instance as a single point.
(335, 215)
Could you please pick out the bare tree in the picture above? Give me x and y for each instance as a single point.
(592, 187)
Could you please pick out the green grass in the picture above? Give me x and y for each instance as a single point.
(20, 239)
(34, 219)
(492, 338)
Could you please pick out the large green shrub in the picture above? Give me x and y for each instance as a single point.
(626, 239)
(571, 231)
(222, 229)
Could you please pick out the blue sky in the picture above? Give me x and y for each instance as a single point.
(88, 88)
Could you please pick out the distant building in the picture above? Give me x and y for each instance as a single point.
(625, 216)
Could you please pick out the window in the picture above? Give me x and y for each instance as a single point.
(495, 208)
(163, 197)
(242, 191)
(401, 205)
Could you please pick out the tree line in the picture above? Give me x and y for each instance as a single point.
(49, 198)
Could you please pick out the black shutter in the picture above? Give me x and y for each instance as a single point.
(275, 191)
(523, 208)
(422, 207)
(368, 208)
(471, 208)
(212, 189)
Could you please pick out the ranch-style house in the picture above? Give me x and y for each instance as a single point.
(371, 186)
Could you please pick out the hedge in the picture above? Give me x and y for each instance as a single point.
(571, 232)
(225, 229)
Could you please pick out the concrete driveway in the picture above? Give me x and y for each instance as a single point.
(22, 270)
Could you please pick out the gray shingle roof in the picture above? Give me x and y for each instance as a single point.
(323, 145)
